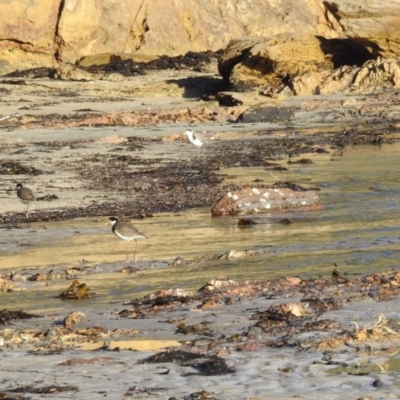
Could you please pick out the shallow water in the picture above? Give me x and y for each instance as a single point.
(391, 364)
(359, 230)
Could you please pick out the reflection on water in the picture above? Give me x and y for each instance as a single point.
(136, 345)
(391, 364)
(359, 230)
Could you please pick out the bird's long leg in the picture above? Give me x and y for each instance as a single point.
(134, 255)
(127, 256)
(27, 211)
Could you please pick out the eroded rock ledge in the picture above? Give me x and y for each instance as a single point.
(57, 32)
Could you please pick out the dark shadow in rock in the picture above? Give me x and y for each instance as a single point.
(32, 73)
(225, 66)
(349, 51)
(200, 86)
(196, 61)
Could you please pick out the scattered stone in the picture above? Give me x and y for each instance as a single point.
(73, 362)
(39, 277)
(377, 383)
(301, 161)
(7, 316)
(206, 364)
(293, 280)
(137, 392)
(218, 283)
(6, 285)
(74, 318)
(250, 346)
(15, 168)
(234, 99)
(285, 221)
(203, 395)
(8, 396)
(238, 254)
(266, 114)
(285, 312)
(203, 328)
(210, 365)
(112, 139)
(173, 356)
(44, 389)
(133, 314)
(48, 197)
(243, 222)
(76, 291)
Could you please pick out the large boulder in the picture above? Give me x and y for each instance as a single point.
(251, 200)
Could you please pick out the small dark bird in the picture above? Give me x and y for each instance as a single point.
(126, 232)
(26, 196)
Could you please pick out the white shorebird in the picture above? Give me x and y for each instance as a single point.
(197, 139)
(25, 195)
(126, 232)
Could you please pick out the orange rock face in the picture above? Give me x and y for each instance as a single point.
(42, 34)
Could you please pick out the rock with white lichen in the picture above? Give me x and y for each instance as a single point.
(251, 200)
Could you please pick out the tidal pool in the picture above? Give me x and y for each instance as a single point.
(359, 230)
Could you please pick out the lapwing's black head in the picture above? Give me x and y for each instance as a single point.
(113, 220)
(19, 186)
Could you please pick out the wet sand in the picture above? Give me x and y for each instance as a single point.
(70, 362)
(81, 177)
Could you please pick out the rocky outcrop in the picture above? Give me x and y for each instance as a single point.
(314, 63)
(266, 200)
(279, 59)
(374, 24)
(373, 74)
(43, 34)
(268, 44)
